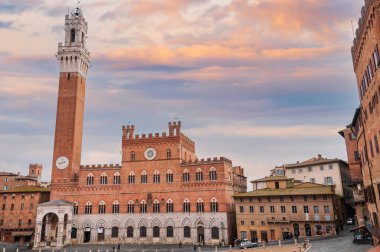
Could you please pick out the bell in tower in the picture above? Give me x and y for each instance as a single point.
(73, 54)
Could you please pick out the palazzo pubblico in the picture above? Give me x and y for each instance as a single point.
(161, 192)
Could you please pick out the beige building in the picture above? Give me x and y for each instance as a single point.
(283, 208)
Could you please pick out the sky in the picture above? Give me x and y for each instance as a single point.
(261, 82)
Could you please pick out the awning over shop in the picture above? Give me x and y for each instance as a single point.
(22, 233)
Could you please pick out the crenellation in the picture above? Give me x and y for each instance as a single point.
(100, 166)
(364, 23)
(206, 161)
(157, 135)
(150, 135)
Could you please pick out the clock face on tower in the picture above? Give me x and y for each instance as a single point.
(150, 153)
(62, 162)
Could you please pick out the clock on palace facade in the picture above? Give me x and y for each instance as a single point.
(150, 153)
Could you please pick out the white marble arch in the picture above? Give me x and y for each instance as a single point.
(214, 223)
(87, 224)
(74, 224)
(131, 223)
(200, 222)
(101, 223)
(142, 222)
(115, 223)
(186, 222)
(169, 222)
(57, 214)
(156, 222)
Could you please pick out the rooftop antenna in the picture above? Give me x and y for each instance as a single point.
(352, 27)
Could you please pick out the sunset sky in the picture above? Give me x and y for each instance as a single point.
(261, 82)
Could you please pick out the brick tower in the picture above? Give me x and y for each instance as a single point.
(73, 59)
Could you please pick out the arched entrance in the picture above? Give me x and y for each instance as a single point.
(49, 233)
(296, 230)
(307, 230)
(87, 235)
(53, 224)
(201, 234)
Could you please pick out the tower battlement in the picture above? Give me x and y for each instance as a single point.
(174, 131)
(365, 22)
(72, 55)
(207, 161)
(101, 166)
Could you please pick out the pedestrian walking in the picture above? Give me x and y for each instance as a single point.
(180, 245)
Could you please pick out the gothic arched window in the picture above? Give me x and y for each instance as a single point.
(156, 177)
(129, 231)
(214, 233)
(200, 206)
(186, 206)
(199, 175)
(115, 207)
(186, 232)
(131, 178)
(143, 206)
(90, 179)
(131, 207)
(115, 232)
(156, 231)
(75, 205)
(88, 208)
(214, 205)
(169, 206)
(212, 174)
(116, 178)
(186, 176)
(144, 177)
(156, 206)
(169, 231)
(142, 231)
(102, 207)
(169, 177)
(103, 179)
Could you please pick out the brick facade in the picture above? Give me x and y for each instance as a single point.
(366, 122)
(161, 192)
(18, 212)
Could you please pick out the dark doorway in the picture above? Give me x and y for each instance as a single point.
(254, 236)
(264, 236)
(201, 234)
(307, 230)
(87, 235)
(296, 229)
